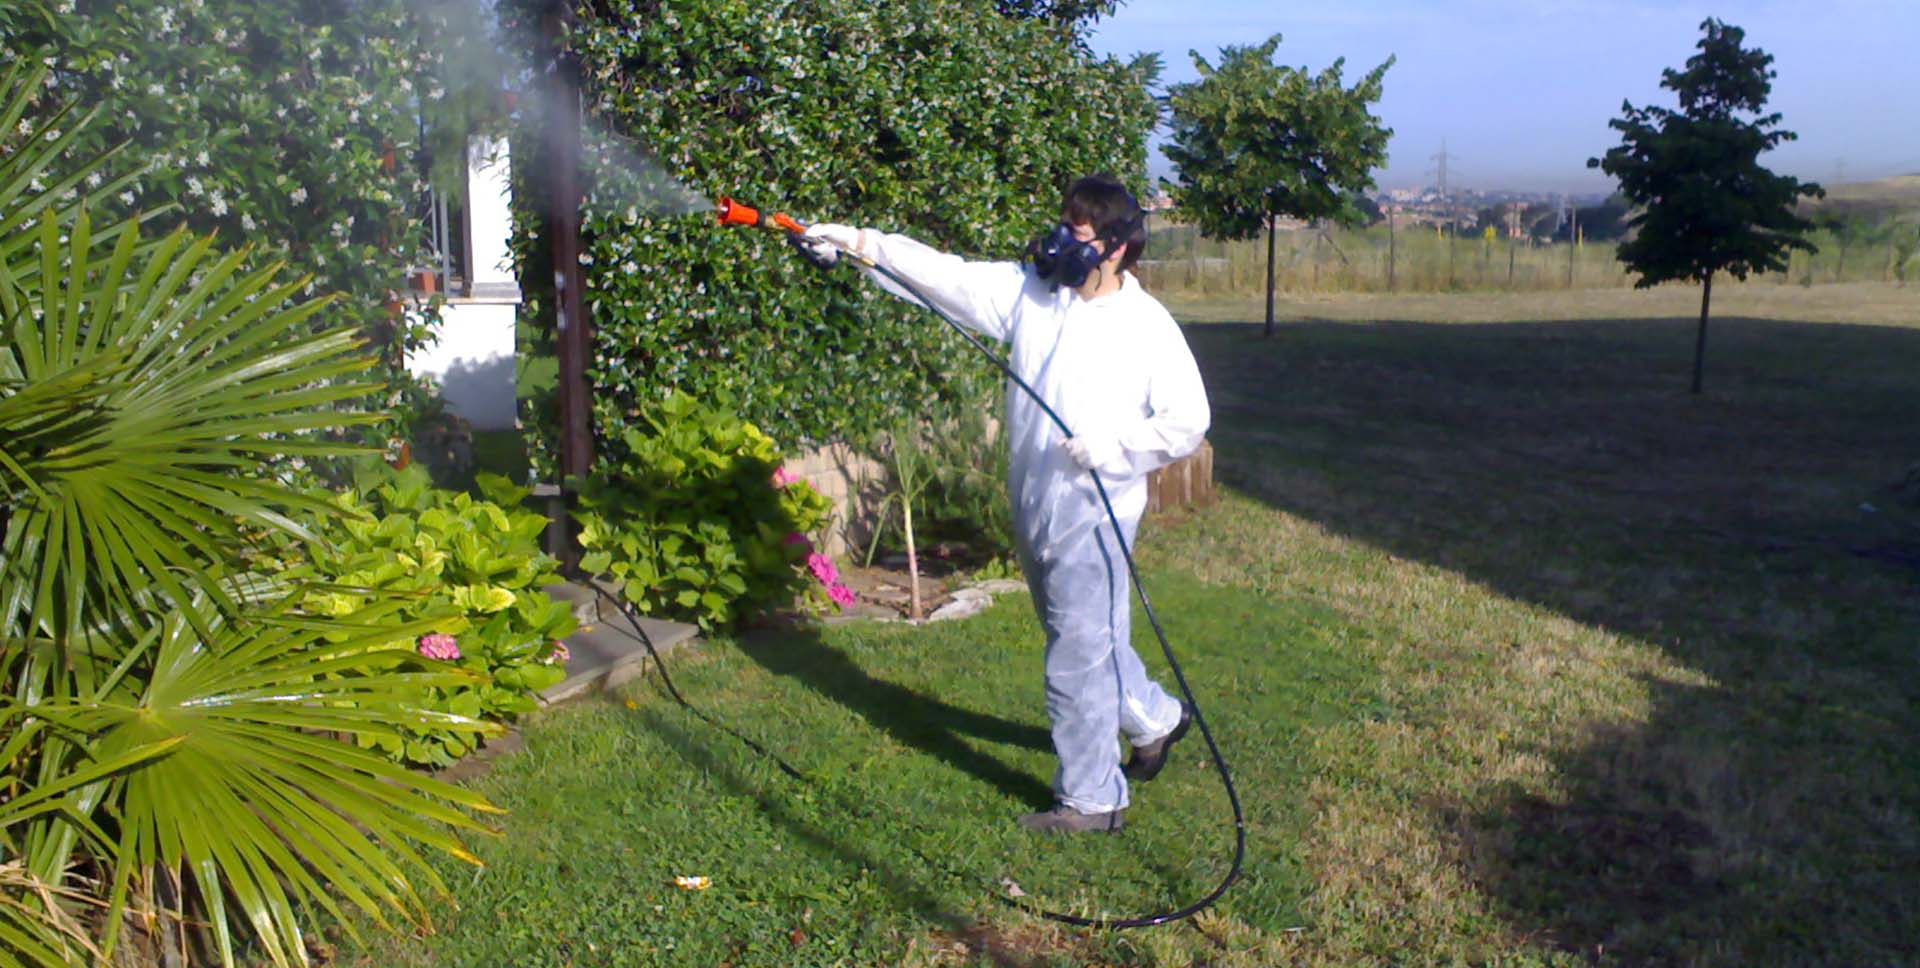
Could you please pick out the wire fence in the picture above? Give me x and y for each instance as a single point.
(1179, 261)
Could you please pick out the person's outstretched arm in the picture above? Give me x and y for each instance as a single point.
(980, 295)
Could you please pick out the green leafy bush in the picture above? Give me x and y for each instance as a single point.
(941, 118)
(697, 520)
(471, 567)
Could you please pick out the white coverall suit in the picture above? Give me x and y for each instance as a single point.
(1116, 369)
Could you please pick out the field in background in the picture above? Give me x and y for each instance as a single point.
(1180, 261)
(1866, 303)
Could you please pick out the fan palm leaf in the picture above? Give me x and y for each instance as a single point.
(251, 794)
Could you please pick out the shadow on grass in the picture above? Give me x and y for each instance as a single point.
(1759, 533)
(911, 718)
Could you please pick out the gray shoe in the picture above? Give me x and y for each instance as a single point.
(1148, 760)
(1066, 820)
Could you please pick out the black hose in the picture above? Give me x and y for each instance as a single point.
(1140, 589)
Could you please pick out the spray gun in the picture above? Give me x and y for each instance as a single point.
(731, 212)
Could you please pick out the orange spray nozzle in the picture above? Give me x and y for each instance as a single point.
(731, 212)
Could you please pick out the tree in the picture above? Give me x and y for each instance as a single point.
(1253, 141)
(1074, 16)
(1707, 205)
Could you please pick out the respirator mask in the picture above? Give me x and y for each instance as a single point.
(1059, 259)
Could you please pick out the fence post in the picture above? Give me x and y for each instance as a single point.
(1392, 250)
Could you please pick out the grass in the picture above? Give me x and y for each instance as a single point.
(1522, 655)
(918, 747)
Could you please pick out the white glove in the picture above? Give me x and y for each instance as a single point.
(1092, 453)
(823, 242)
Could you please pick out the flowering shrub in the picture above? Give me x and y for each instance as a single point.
(941, 118)
(698, 521)
(286, 125)
(475, 566)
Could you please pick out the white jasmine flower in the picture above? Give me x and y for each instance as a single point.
(155, 90)
(247, 222)
(299, 195)
(219, 205)
(126, 198)
(193, 185)
(201, 158)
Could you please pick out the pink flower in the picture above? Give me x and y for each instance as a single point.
(782, 477)
(822, 568)
(841, 594)
(441, 646)
(559, 655)
(797, 538)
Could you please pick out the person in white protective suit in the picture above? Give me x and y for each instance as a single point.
(1110, 360)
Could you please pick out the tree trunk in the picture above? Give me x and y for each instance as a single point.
(1269, 276)
(1700, 340)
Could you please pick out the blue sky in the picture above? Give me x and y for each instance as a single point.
(1522, 89)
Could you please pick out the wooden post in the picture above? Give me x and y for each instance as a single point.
(571, 332)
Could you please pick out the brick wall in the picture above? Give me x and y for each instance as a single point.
(854, 483)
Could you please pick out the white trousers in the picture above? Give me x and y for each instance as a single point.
(1098, 692)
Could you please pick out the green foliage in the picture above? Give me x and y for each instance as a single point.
(1707, 205)
(943, 119)
(955, 467)
(472, 568)
(692, 522)
(1074, 16)
(1252, 140)
(161, 719)
(252, 115)
(234, 784)
(133, 379)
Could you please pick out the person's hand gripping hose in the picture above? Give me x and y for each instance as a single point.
(1091, 453)
(823, 242)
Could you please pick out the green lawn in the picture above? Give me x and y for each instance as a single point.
(1521, 655)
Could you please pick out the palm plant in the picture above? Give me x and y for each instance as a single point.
(166, 723)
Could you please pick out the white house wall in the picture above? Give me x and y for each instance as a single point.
(472, 360)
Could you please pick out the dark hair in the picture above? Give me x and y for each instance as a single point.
(1104, 203)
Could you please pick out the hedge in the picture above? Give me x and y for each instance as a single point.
(940, 118)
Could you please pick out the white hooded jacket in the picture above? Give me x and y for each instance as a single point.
(1115, 368)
